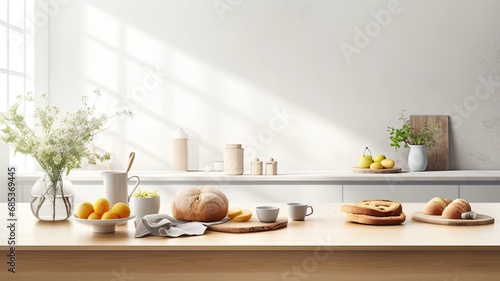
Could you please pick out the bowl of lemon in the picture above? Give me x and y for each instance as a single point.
(102, 217)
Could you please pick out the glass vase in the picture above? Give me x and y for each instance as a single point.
(52, 198)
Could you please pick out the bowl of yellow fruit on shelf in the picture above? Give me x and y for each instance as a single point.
(101, 216)
(377, 164)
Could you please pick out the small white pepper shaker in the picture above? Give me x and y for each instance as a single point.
(256, 167)
(271, 167)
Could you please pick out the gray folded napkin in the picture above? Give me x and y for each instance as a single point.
(165, 225)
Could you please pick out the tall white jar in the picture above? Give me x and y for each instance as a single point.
(179, 150)
(233, 159)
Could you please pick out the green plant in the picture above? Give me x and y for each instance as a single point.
(58, 143)
(407, 135)
(146, 194)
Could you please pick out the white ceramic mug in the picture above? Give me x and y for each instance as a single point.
(116, 186)
(144, 206)
(298, 211)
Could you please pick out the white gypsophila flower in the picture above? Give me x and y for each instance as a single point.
(58, 142)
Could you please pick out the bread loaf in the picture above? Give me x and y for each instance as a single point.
(455, 209)
(372, 220)
(436, 206)
(378, 208)
(203, 203)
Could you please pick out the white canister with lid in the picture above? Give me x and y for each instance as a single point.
(179, 150)
(256, 167)
(233, 159)
(271, 167)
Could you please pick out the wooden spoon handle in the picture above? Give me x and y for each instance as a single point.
(130, 160)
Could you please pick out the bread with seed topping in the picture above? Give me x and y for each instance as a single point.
(376, 208)
(372, 220)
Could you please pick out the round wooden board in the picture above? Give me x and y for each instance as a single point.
(480, 219)
(378, 171)
(253, 225)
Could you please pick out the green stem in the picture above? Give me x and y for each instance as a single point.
(51, 193)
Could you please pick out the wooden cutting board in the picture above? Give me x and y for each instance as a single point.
(437, 156)
(480, 219)
(253, 225)
(377, 171)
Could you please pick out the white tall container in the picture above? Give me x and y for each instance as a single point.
(233, 159)
(179, 150)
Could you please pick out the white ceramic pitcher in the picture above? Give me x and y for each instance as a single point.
(116, 186)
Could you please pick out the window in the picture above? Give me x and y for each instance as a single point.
(16, 59)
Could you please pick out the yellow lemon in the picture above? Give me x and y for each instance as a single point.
(94, 216)
(84, 210)
(379, 158)
(233, 212)
(109, 216)
(121, 209)
(376, 166)
(244, 216)
(388, 163)
(101, 206)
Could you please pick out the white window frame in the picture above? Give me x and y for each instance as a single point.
(35, 55)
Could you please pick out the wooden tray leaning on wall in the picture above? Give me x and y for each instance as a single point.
(438, 158)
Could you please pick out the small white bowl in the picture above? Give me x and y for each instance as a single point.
(267, 213)
(103, 226)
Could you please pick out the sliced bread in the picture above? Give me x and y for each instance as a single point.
(372, 220)
(377, 208)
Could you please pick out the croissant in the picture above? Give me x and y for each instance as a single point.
(436, 206)
(455, 209)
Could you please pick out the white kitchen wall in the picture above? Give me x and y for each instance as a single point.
(310, 83)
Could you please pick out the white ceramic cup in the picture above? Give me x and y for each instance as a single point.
(144, 206)
(298, 211)
(267, 213)
(116, 186)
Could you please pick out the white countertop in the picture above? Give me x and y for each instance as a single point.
(341, 176)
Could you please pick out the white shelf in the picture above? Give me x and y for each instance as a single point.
(334, 177)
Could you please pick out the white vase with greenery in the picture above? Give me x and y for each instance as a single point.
(416, 141)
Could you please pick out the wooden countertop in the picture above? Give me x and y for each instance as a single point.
(340, 177)
(326, 229)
